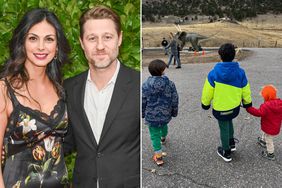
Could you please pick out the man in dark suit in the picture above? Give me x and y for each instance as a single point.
(104, 108)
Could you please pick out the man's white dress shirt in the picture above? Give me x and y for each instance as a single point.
(96, 102)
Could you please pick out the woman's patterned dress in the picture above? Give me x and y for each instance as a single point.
(33, 147)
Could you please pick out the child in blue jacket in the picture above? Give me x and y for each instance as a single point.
(226, 87)
(159, 105)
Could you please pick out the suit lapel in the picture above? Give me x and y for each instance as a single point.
(119, 96)
(79, 93)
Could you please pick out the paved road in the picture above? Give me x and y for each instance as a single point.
(194, 135)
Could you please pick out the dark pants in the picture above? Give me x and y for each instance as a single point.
(175, 56)
(226, 133)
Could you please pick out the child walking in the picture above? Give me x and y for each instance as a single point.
(226, 86)
(271, 116)
(159, 105)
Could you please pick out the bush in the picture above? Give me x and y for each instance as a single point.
(68, 12)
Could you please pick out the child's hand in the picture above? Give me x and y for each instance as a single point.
(205, 107)
(244, 105)
(248, 109)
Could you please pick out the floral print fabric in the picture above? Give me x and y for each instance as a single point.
(33, 147)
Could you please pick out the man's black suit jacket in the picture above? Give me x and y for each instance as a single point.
(115, 161)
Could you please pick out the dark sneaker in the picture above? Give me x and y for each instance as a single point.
(178, 67)
(224, 154)
(158, 159)
(261, 142)
(232, 143)
(163, 140)
(269, 156)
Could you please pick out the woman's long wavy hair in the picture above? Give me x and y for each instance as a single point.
(14, 68)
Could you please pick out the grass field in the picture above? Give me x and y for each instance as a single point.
(262, 31)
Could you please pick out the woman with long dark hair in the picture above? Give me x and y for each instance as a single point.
(33, 114)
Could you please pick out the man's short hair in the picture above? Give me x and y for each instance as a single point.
(227, 52)
(99, 12)
(157, 67)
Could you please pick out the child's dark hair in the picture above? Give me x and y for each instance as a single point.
(157, 67)
(227, 52)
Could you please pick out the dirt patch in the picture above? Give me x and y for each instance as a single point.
(190, 57)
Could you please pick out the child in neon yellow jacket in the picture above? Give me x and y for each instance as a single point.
(226, 87)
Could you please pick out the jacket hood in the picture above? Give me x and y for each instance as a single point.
(227, 71)
(157, 84)
(275, 105)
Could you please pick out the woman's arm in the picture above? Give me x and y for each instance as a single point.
(3, 122)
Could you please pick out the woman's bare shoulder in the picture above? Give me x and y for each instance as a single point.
(3, 96)
(4, 108)
(3, 86)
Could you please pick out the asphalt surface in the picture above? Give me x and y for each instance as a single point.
(193, 136)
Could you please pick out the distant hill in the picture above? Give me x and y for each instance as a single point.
(233, 9)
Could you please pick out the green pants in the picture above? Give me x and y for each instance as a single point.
(226, 133)
(156, 133)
